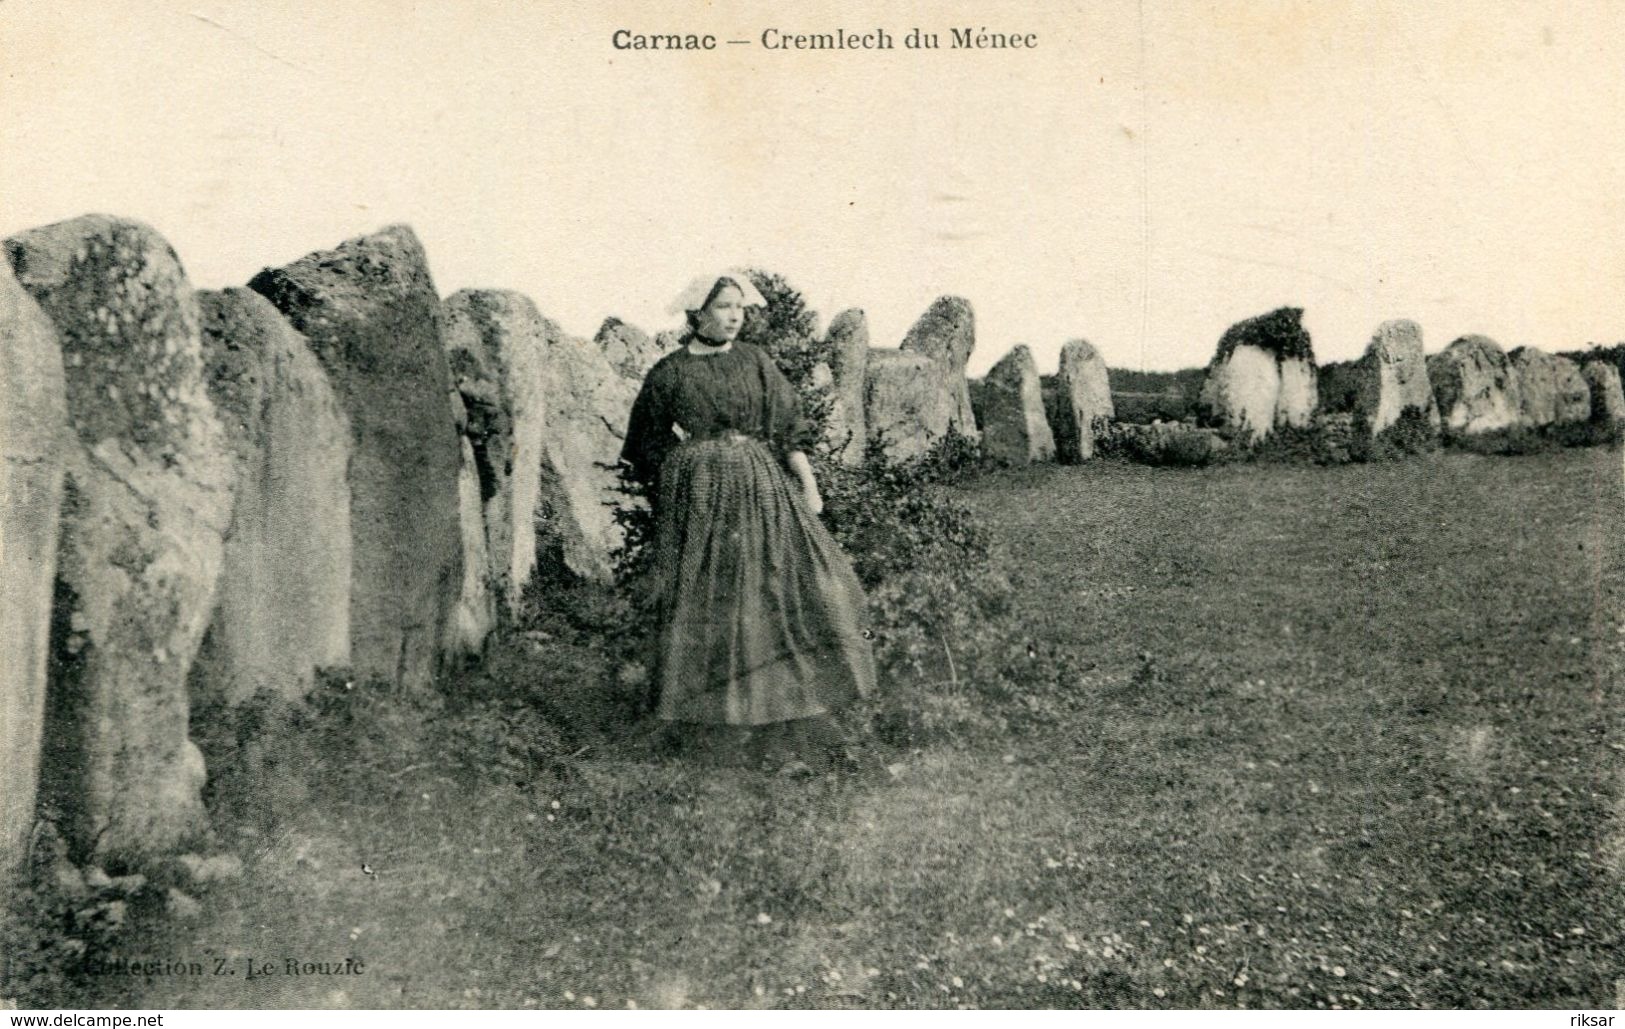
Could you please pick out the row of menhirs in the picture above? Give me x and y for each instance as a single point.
(205, 494)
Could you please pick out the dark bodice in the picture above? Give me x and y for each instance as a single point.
(707, 395)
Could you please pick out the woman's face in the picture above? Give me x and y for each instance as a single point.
(722, 318)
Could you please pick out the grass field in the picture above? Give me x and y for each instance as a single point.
(1343, 737)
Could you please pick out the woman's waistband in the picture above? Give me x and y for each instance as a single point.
(733, 436)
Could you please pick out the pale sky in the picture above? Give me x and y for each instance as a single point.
(1142, 179)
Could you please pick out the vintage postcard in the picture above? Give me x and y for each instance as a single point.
(844, 505)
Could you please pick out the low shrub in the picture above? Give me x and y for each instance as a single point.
(1333, 438)
(1162, 445)
(55, 921)
(1596, 433)
(270, 755)
(954, 662)
(1523, 440)
(1513, 441)
(1326, 441)
(889, 517)
(1410, 434)
(577, 657)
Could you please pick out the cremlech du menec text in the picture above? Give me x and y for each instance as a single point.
(963, 38)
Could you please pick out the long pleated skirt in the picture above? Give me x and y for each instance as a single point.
(762, 617)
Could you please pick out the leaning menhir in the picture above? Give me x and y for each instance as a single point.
(370, 312)
(283, 606)
(496, 346)
(147, 503)
(1011, 412)
(588, 403)
(33, 433)
(946, 333)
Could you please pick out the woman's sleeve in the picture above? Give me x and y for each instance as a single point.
(648, 433)
(788, 428)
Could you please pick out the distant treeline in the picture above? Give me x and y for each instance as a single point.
(1614, 355)
(1145, 396)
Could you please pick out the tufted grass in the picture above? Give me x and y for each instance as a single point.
(1351, 739)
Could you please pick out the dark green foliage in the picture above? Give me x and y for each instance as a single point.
(1168, 445)
(1410, 434)
(635, 520)
(1340, 387)
(1185, 382)
(1325, 442)
(1143, 397)
(579, 642)
(787, 330)
(1614, 355)
(1280, 332)
(1343, 438)
(500, 725)
(1595, 433)
(53, 923)
(955, 662)
(260, 753)
(1524, 441)
(889, 516)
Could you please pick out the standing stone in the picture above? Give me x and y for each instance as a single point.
(1551, 389)
(496, 344)
(667, 340)
(588, 405)
(1300, 393)
(1079, 401)
(629, 349)
(33, 435)
(946, 333)
(283, 604)
(1607, 397)
(1263, 375)
(1475, 386)
(370, 312)
(1241, 390)
(848, 347)
(905, 407)
(1392, 377)
(1573, 393)
(1536, 374)
(147, 505)
(1011, 412)
(474, 615)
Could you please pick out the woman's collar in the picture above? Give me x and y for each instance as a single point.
(696, 344)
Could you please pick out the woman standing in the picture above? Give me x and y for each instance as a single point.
(762, 619)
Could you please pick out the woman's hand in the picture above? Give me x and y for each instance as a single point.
(809, 483)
